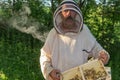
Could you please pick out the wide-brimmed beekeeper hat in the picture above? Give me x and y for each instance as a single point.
(57, 17)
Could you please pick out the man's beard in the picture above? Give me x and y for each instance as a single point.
(69, 23)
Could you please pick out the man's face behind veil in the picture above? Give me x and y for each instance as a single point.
(68, 17)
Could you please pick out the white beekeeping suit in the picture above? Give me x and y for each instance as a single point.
(65, 50)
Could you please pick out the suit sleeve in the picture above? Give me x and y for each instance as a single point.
(45, 57)
(96, 48)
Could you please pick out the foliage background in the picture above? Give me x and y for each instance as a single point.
(20, 50)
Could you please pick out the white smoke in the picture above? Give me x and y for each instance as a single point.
(29, 25)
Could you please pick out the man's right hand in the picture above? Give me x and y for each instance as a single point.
(55, 74)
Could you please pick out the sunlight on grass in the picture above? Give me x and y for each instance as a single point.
(3, 76)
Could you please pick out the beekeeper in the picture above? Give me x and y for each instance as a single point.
(69, 43)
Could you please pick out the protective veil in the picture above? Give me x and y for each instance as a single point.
(58, 20)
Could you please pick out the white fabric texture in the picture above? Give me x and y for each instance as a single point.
(63, 52)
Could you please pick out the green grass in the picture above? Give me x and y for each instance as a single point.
(18, 61)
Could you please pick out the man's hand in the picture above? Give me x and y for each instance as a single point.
(55, 74)
(104, 57)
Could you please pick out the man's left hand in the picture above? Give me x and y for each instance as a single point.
(104, 57)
